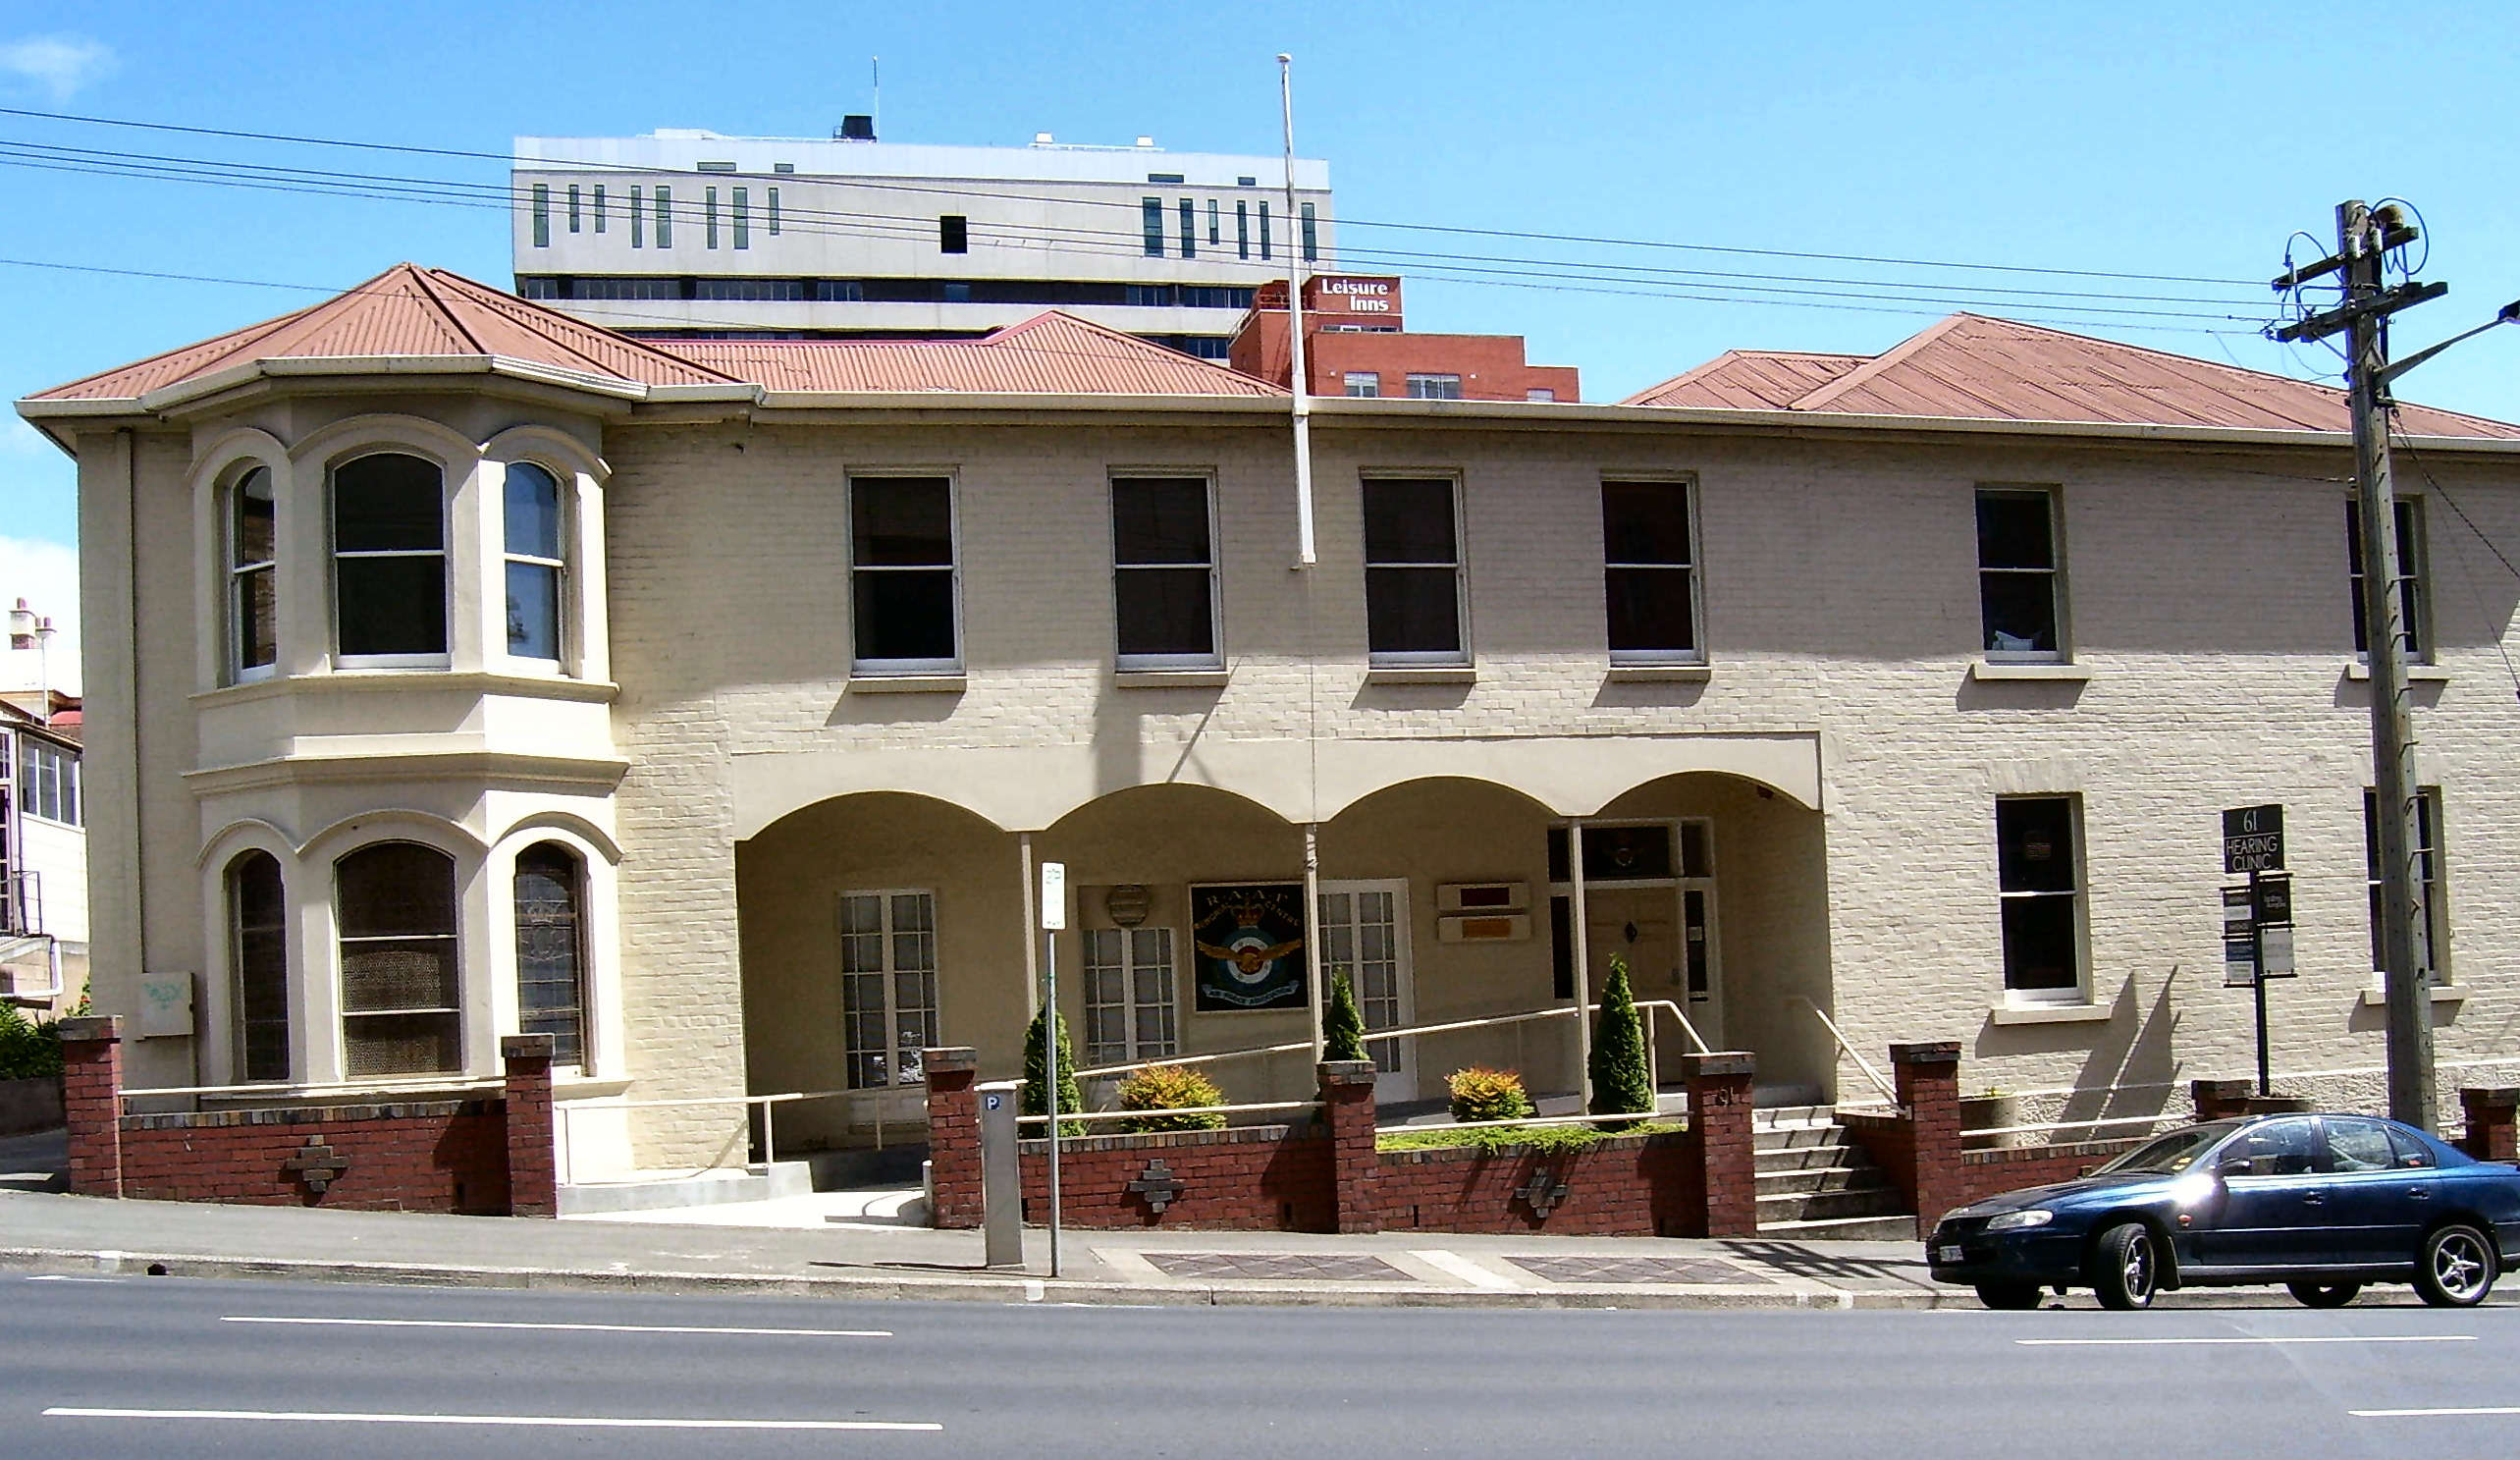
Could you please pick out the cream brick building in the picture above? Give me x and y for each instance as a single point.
(807, 651)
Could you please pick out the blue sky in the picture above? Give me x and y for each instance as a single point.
(2158, 138)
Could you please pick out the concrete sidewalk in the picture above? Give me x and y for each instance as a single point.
(50, 1232)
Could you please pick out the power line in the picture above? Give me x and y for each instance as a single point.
(448, 192)
(590, 168)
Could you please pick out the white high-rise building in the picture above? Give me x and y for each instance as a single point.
(691, 235)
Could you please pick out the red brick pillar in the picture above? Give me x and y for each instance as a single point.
(91, 1103)
(1355, 1170)
(1719, 1122)
(954, 1197)
(2490, 1118)
(1928, 1080)
(2219, 1099)
(533, 1160)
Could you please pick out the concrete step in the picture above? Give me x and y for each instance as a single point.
(1804, 1158)
(1765, 1117)
(1795, 1205)
(647, 1191)
(1795, 1137)
(1843, 1229)
(1812, 1180)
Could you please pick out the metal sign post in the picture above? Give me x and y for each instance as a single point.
(1053, 919)
(2257, 919)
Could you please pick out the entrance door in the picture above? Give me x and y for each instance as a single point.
(1661, 931)
(1364, 934)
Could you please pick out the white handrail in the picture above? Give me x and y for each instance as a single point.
(1371, 1036)
(1888, 1091)
(2065, 1124)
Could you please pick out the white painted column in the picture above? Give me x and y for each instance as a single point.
(1313, 933)
(1031, 944)
(1583, 966)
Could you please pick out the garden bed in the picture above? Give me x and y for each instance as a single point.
(1536, 1138)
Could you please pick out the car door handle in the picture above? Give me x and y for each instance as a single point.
(2419, 1193)
(2313, 1199)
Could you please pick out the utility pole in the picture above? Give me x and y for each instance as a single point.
(2363, 240)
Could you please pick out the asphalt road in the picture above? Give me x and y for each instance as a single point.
(164, 1367)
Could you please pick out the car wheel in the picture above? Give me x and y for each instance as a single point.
(2128, 1268)
(2009, 1295)
(2454, 1268)
(2324, 1294)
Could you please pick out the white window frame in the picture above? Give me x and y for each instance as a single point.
(562, 644)
(1458, 656)
(1695, 568)
(896, 1078)
(1215, 580)
(443, 553)
(1418, 380)
(48, 783)
(880, 669)
(2414, 573)
(2057, 608)
(453, 939)
(237, 572)
(1135, 977)
(2436, 912)
(2078, 993)
(1361, 384)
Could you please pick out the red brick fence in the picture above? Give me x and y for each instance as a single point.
(485, 1153)
(1327, 1176)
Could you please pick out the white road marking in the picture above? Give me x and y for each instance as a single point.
(449, 1322)
(1466, 1270)
(554, 1421)
(65, 1277)
(2153, 1342)
(2428, 1413)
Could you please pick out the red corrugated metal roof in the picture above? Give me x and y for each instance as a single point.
(1750, 380)
(1974, 368)
(1049, 353)
(406, 310)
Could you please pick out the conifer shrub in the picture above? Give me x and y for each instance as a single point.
(1170, 1087)
(1483, 1094)
(1342, 1027)
(1036, 1099)
(1620, 1084)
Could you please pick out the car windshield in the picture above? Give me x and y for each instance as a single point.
(2170, 1154)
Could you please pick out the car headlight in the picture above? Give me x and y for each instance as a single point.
(2015, 1220)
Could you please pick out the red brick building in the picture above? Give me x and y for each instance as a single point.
(1356, 345)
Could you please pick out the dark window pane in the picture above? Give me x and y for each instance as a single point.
(1163, 521)
(533, 611)
(1649, 609)
(260, 918)
(953, 233)
(901, 522)
(257, 618)
(257, 518)
(2012, 531)
(392, 605)
(1645, 522)
(391, 974)
(1561, 947)
(1409, 522)
(550, 987)
(387, 502)
(905, 616)
(533, 512)
(2410, 573)
(2038, 942)
(2034, 844)
(1165, 610)
(1626, 853)
(397, 890)
(375, 1046)
(1412, 610)
(1695, 860)
(2021, 611)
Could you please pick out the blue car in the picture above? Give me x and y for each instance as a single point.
(2322, 1203)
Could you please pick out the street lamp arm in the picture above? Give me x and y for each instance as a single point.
(2508, 314)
